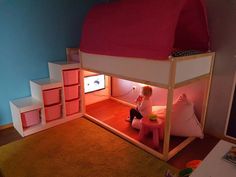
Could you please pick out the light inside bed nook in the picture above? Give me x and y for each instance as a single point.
(142, 85)
(94, 83)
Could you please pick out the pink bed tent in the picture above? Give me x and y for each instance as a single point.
(145, 28)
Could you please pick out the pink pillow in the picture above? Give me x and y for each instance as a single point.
(183, 119)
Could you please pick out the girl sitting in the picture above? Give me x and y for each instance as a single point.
(144, 105)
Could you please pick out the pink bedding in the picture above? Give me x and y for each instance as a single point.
(145, 28)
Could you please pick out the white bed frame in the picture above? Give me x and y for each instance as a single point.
(169, 74)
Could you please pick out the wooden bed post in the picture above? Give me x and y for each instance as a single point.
(82, 96)
(207, 93)
(169, 108)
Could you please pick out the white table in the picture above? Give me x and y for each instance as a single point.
(214, 166)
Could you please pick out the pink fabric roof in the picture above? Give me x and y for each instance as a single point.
(145, 28)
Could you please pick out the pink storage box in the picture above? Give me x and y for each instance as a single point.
(71, 92)
(53, 112)
(72, 107)
(51, 96)
(71, 77)
(30, 118)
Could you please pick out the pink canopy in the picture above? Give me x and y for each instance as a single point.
(145, 28)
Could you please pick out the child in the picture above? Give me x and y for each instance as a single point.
(144, 105)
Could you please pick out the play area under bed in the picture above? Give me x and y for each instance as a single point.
(114, 114)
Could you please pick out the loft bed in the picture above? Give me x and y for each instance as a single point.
(172, 74)
(119, 45)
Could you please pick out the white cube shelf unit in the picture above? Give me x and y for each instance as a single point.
(48, 92)
(69, 74)
(54, 100)
(21, 106)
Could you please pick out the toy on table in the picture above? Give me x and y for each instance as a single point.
(152, 117)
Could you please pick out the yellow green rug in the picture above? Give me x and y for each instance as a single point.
(78, 148)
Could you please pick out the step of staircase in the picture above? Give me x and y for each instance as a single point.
(46, 83)
(26, 104)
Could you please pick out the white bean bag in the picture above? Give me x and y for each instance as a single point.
(183, 119)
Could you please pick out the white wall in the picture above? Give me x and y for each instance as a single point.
(222, 26)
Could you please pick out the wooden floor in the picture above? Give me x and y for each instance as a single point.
(8, 135)
(115, 114)
(198, 149)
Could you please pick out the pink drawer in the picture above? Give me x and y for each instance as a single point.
(71, 92)
(72, 107)
(51, 96)
(53, 112)
(30, 118)
(71, 77)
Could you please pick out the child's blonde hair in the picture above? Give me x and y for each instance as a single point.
(147, 91)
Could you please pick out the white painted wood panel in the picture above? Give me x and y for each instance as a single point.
(55, 71)
(188, 69)
(64, 65)
(56, 68)
(16, 118)
(27, 104)
(47, 83)
(134, 68)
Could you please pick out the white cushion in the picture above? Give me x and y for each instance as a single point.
(136, 123)
(183, 119)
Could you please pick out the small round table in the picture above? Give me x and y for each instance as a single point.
(156, 127)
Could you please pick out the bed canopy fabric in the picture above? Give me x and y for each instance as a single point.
(145, 28)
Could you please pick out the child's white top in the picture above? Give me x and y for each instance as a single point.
(145, 108)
